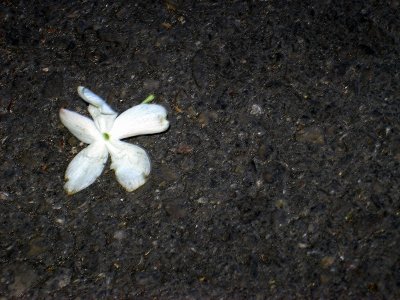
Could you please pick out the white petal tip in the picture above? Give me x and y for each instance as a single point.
(82, 91)
(164, 123)
(62, 111)
(131, 181)
(70, 188)
(69, 191)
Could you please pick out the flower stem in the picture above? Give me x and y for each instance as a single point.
(149, 98)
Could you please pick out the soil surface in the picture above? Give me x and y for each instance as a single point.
(278, 178)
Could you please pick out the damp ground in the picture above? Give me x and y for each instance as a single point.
(279, 175)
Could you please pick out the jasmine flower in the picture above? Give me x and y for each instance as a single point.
(103, 134)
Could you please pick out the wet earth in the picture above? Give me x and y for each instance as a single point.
(278, 178)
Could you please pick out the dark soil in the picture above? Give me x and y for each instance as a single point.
(278, 178)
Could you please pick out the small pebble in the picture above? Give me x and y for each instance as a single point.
(256, 110)
(119, 235)
(202, 200)
(4, 195)
(327, 261)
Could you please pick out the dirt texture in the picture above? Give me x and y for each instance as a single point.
(278, 178)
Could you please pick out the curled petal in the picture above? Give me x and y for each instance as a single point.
(85, 167)
(131, 164)
(140, 119)
(95, 100)
(103, 122)
(80, 126)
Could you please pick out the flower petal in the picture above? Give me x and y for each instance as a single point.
(140, 119)
(85, 167)
(80, 126)
(95, 100)
(131, 164)
(103, 122)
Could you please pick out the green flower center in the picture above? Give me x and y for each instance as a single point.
(106, 136)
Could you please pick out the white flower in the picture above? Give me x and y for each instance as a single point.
(103, 134)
